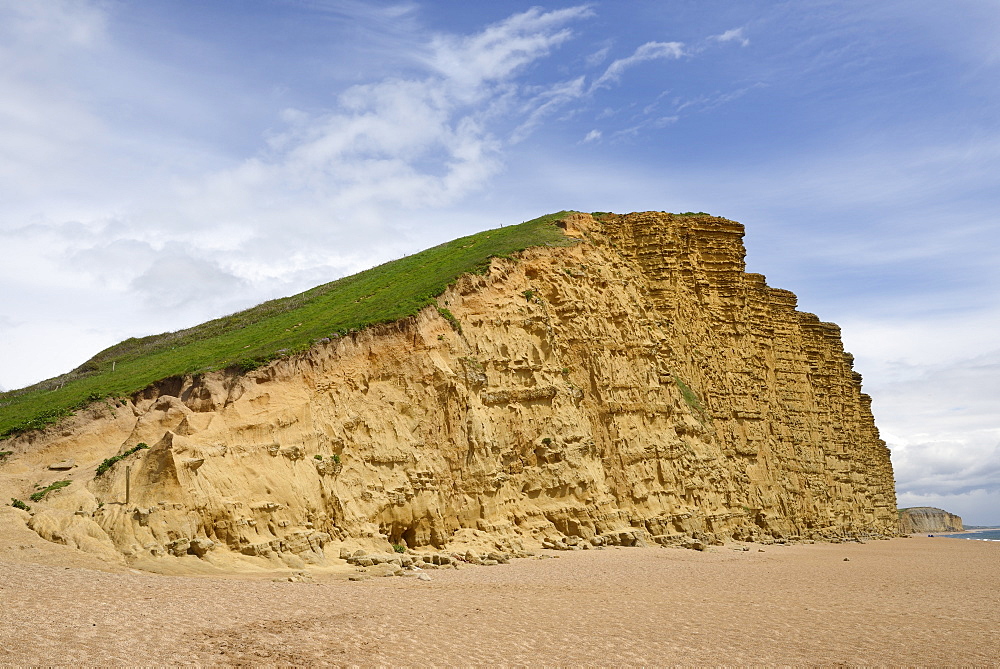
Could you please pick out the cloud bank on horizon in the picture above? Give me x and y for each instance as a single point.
(163, 163)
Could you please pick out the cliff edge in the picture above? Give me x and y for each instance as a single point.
(919, 519)
(638, 386)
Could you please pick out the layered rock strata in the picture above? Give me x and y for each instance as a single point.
(928, 519)
(638, 384)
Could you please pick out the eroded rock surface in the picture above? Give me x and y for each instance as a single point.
(636, 387)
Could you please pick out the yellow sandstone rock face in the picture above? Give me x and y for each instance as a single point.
(638, 386)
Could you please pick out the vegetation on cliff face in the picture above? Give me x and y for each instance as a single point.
(274, 329)
(37, 496)
(110, 462)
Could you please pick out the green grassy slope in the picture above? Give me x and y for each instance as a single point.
(280, 327)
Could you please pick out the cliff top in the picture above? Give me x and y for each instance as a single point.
(274, 329)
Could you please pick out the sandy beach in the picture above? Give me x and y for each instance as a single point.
(915, 601)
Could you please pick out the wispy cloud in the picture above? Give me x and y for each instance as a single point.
(598, 57)
(546, 102)
(707, 102)
(647, 52)
(497, 52)
(734, 35)
(638, 128)
(407, 143)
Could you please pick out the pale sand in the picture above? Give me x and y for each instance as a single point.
(915, 601)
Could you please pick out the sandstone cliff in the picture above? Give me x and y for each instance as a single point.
(637, 386)
(928, 519)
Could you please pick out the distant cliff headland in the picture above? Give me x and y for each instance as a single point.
(574, 381)
(928, 519)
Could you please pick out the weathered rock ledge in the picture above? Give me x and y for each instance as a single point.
(638, 386)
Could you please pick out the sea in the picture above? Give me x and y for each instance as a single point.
(975, 535)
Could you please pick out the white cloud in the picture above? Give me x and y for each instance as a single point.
(647, 52)
(399, 145)
(948, 467)
(500, 50)
(734, 35)
(953, 448)
(176, 277)
(592, 136)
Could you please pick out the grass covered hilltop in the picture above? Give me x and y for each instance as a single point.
(281, 327)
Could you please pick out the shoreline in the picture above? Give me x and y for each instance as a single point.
(913, 601)
(944, 534)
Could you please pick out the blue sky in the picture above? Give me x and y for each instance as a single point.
(164, 162)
